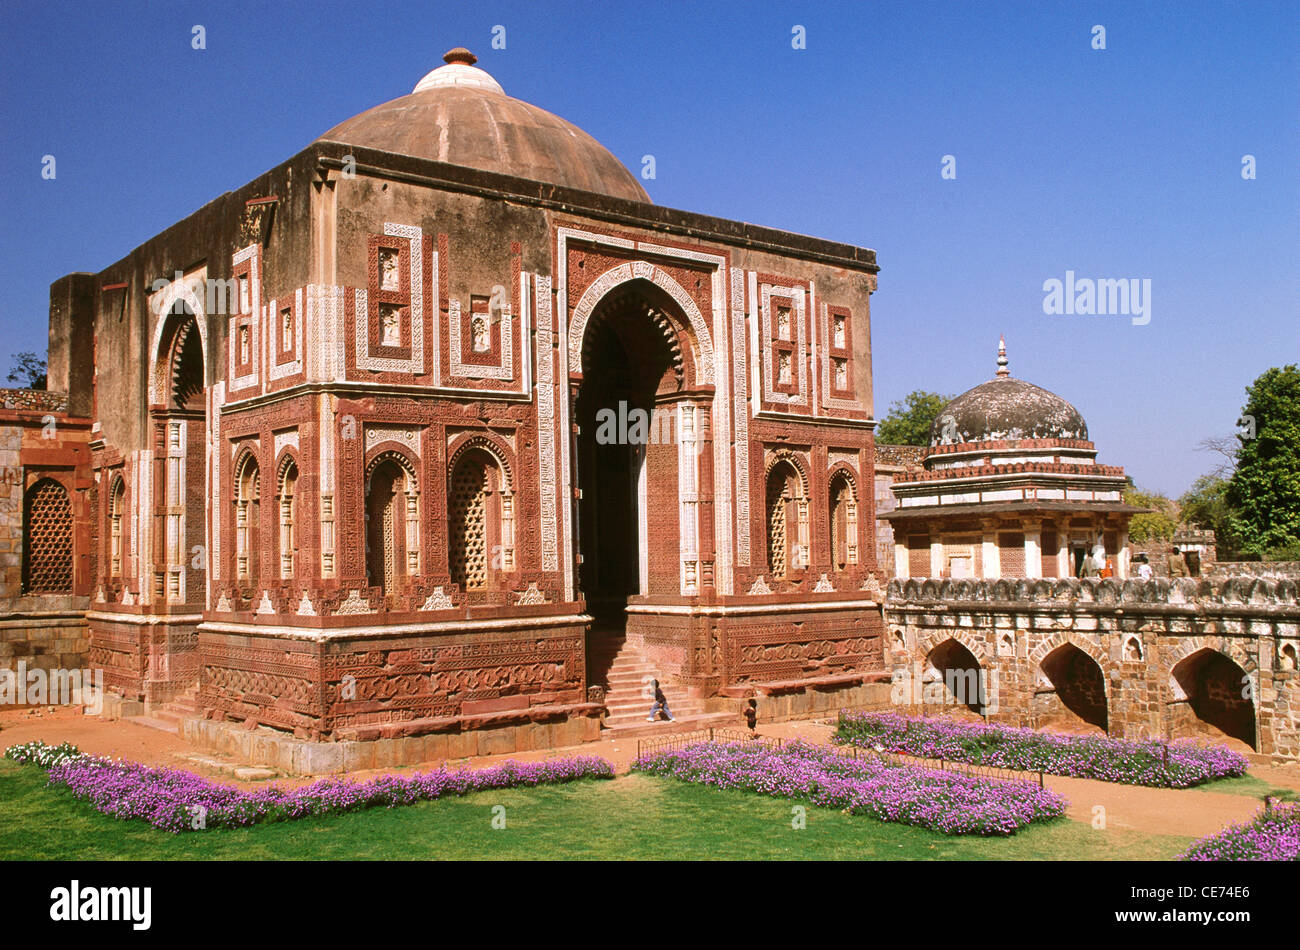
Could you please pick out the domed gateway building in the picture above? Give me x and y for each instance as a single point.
(421, 433)
(1010, 488)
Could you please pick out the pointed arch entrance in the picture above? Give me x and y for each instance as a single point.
(636, 412)
(178, 413)
(954, 673)
(1218, 696)
(1080, 688)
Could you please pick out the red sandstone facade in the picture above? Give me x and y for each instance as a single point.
(362, 490)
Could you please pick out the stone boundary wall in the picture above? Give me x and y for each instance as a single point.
(33, 400)
(905, 456)
(1275, 570)
(1193, 656)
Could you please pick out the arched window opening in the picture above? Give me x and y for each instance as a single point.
(288, 519)
(787, 521)
(248, 521)
(1079, 688)
(844, 523)
(47, 539)
(481, 522)
(116, 507)
(959, 675)
(184, 355)
(392, 522)
(1218, 696)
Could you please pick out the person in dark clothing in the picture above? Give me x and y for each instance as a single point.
(751, 717)
(661, 702)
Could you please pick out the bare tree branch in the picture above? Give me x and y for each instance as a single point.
(1225, 446)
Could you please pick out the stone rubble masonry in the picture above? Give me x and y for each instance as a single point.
(899, 456)
(34, 400)
(1239, 637)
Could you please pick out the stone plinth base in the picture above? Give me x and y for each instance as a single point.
(781, 701)
(375, 681)
(710, 649)
(44, 639)
(294, 756)
(148, 658)
(114, 706)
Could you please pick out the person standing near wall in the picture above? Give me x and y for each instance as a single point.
(1177, 564)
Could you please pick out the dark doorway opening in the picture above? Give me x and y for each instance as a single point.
(1077, 554)
(626, 458)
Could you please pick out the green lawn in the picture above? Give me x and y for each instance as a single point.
(631, 817)
(1249, 785)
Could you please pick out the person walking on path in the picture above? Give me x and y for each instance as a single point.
(661, 703)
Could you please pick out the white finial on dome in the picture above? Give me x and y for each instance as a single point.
(459, 71)
(1002, 357)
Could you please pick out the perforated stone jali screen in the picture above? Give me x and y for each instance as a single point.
(48, 539)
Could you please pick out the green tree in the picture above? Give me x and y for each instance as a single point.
(28, 369)
(1263, 495)
(909, 420)
(1158, 524)
(1205, 505)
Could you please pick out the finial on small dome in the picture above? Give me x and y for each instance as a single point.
(459, 55)
(1002, 357)
(460, 72)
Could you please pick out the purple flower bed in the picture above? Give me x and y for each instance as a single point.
(1158, 764)
(1272, 836)
(947, 802)
(181, 801)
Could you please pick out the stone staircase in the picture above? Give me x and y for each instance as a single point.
(626, 674)
(167, 716)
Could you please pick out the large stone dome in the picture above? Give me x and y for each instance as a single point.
(459, 114)
(1006, 408)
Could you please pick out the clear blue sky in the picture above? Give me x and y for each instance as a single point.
(1114, 164)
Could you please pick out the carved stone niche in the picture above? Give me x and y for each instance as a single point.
(1133, 650)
